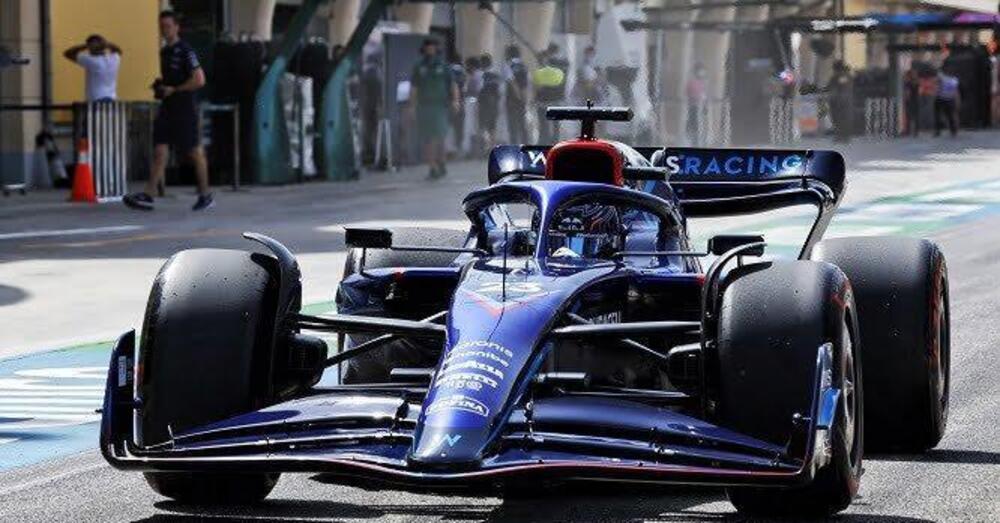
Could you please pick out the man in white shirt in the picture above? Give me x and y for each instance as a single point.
(101, 62)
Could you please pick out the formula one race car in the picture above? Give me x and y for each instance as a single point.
(571, 334)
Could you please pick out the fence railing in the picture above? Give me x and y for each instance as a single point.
(120, 139)
(881, 118)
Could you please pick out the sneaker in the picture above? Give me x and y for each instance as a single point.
(435, 173)
(204, 202)
(138, 200)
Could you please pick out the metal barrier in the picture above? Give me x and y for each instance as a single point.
(234, 109)
(120, 139)
(881, 118)
(711, 127)
(781, 121)
(107, 146)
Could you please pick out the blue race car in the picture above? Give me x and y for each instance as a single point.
(570, 334)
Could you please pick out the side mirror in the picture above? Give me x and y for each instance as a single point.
(368, 238)
(723, 243)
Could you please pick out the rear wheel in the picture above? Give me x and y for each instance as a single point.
(205, 339)
(901, 289)
(375, 366)
(773, 320)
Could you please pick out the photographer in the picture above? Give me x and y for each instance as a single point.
(176, 122)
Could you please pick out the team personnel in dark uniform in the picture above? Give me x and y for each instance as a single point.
(176, 122)
(434, 91)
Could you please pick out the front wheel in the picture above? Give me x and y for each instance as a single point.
(773, 320)
(207, 488)
(203, 353)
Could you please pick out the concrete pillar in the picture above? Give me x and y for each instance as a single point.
(252, 18)
(579, 17)
(712, 49)
(418, 16)
(476, 30)
(855, 45)
(810, 64)
(20, 31)
(342, 18)
(534, 22)
(675, 69)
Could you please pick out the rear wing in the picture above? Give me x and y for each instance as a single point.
(721, 182)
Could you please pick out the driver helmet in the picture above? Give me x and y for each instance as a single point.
(590, 230)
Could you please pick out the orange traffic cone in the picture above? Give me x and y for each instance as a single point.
(83, 177)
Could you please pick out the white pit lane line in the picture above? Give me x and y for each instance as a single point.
(69, 232)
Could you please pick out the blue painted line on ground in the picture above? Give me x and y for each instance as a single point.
(48, 401)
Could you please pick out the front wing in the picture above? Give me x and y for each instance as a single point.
(362, 437)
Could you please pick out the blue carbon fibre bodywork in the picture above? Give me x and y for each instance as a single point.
(361, 438)
(477, 421)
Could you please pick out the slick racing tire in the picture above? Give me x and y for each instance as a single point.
(205, 339)
(901, 290)
(375, 366)
(212, 488)
(773, 319)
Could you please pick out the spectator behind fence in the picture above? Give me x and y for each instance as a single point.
(371, 106)
(433, 93)
(841, 101)
(489, 101)
(946, 103)
(460, 78)
(911, 89)
(697, 102)
(550, 89)
(516, 97)
(176, 121)
(101, 60)
(473, 84)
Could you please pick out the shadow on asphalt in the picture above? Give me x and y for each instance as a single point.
(677, 505)
(11, 295)
(968, 457)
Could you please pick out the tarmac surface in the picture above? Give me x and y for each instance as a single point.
(58, 287)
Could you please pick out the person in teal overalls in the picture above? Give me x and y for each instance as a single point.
(434, 93)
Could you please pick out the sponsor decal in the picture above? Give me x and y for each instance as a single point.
(536, 158)
(482, 344)
(446, 439)
(463, 382)
(473, 365)
(735, 164)
(471, 353)
(459, 402)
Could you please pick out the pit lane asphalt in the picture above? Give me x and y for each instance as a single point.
(960, 481)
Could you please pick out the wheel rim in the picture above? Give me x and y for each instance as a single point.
(849, 403)
(941, 355)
